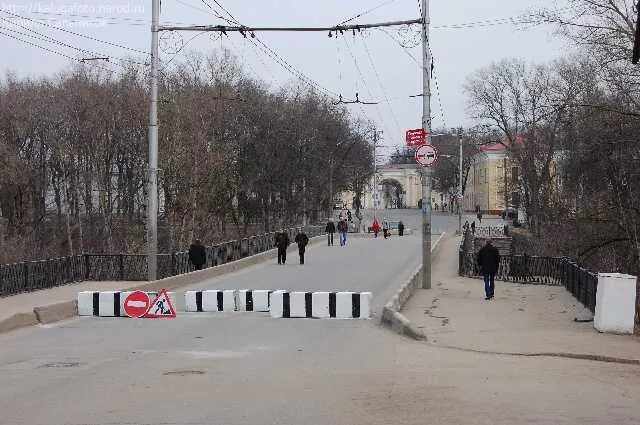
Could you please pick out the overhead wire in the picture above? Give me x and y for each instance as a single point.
(98, 19)
(366, 86)
(49, 39)
(75, 33)
(366, 12)
(437, 84)
(268, 51)
(382, 87)
(54, 51)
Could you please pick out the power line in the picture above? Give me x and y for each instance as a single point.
(382, 88)
(366, 12)
(435, 79)
(268, 51)
(48, 39)
(120, 20)
(53, 51)
(74, 33)
(176, 54)
(226, 11)
(366, 86)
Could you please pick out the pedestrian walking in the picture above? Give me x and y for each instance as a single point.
(473, 227)
(479, 217)
(343, 228)
(197, 254)
(330, 229)
(466, 226)
(489, 261)
(282, 243)
(375, 227)
(385, 229)
(302, 240)
(401, 229)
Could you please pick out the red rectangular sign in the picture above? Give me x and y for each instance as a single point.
(415, 137)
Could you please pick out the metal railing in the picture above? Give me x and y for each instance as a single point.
(491, 231)
(557, 271)
(34, 275)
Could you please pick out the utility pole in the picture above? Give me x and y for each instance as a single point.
(152, 191)
(304, 202)
(331, 204)
(426, 172)
(375, 174)
(460, 183)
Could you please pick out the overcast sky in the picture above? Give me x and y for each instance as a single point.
(344, 64)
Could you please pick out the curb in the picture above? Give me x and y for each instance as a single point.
(391, 316)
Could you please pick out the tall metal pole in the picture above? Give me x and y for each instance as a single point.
(426, 125)
(460, 184)
(152, 191)
(331, 203)
(304, 202)
(375, 174)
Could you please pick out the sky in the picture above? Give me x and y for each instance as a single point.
(378, 65)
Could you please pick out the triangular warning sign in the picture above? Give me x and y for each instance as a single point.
(161, 307)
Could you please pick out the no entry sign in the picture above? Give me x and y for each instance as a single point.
(426, 155)
(415, 137)
(136, 304)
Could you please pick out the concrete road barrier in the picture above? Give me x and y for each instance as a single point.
(340, 305)
(211, 301)
(252, 300)
(108, 303)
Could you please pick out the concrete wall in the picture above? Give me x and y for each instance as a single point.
(615, 303)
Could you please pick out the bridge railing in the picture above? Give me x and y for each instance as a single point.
(33, 275)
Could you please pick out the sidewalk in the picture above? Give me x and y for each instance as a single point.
(521, 320)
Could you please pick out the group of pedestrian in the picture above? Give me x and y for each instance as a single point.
(471, 227)
(386, 231)
(342, 228)
(282, 242)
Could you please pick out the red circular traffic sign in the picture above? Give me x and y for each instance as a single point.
(136, 304)
(426, 155)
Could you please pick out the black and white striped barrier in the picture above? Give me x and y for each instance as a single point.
(108, 303)
(319, 305)
(252, 300)
(197, 301)
(227, 300)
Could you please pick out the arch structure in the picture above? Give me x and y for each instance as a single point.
(398, 186)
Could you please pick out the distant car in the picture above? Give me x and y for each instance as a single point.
(509, 213)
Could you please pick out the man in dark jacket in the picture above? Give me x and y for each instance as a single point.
(197, 254)
(343, 228)
(302, 240)
(282, 243)
(489, 260)
(330, 229)
(400, 229)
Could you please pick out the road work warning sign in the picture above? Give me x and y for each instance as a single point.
(161, 307)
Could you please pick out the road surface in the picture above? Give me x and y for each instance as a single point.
(227, 368)
(247, 368)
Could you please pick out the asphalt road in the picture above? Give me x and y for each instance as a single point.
(226, 368)
(247, 368)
